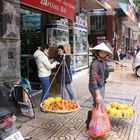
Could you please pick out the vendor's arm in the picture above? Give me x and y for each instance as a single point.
(47, 63)
(94, 76)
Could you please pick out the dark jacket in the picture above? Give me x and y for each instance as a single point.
(99, 72)
(60, 75)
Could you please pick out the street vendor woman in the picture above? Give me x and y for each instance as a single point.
(99, 72)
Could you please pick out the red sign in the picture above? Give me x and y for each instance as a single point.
(64, 8)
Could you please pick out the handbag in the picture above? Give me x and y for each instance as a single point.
(88, 118)
(100, 123)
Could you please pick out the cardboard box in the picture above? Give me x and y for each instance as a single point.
(52, 51)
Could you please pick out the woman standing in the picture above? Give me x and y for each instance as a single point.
(63, 76)
(99, 72)
(44, 66)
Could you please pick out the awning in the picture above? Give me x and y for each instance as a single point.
(123, 6)
(109, 6)
(64, 8)
(93, 4)
(122, 11)
(119, 12)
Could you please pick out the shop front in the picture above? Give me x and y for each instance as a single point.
(24, 27)
(43, 21)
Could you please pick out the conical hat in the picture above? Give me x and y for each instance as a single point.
(101, 46)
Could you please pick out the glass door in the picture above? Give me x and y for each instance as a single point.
(80, 49)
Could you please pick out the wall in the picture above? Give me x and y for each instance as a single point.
(10, 49)
(108, 36)
(109, 27)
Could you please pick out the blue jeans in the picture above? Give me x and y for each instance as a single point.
(69, 90)
(45, 81)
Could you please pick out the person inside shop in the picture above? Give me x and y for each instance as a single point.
(64, 76)
(44, 66)
(98, 74)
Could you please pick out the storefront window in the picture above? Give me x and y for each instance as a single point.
(97, 24)
(30, 21)
(30, 24)
(81, 41)
(57, 35)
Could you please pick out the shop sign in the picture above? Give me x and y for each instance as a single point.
(101, 37)
(64, 8)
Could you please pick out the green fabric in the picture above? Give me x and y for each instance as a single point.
(26, 83)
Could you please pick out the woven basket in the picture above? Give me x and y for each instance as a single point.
(58, 111)
(111, 116)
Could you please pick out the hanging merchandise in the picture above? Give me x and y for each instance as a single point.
(58, 104)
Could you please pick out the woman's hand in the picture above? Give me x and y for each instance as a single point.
(57, 63)
(51, 60)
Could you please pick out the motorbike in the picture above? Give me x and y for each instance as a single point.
(8, 129)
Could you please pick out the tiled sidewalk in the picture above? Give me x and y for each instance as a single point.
(71, 126)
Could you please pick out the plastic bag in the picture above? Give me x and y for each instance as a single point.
(99, 124)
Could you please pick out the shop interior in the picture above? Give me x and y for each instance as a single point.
(30, 33)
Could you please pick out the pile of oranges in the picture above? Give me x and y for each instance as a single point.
(57, 104)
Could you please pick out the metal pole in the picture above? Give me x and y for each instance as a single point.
(83, 54)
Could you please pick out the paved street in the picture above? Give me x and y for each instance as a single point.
(122, 86)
